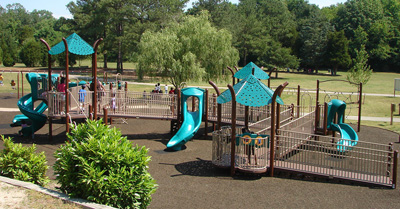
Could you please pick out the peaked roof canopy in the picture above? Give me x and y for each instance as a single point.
(250, 92)
(76, 45)
(248, 69)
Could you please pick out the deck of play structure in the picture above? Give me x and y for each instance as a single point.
(254, 131)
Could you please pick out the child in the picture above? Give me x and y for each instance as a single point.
(82, 95)
(1, 79)
(172, 91)
(61, 88)
(13, 84)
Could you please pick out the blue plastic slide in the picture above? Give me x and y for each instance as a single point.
(191, 120)
(37, 118)
(347, 133)
(17, 121)
(33, 117)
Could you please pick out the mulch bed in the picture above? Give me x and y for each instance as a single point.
(187, 178)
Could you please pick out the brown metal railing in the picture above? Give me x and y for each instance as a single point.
(56, 102)
(315, 154)
(122, 103)
(251, 154)
(221, 149)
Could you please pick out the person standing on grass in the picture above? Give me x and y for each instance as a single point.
(1, 79)
(166, 88)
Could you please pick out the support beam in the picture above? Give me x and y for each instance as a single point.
(277, 92)
(233, 134)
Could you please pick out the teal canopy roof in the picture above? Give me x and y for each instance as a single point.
(76, 45)
(250, 92)
(248, 69)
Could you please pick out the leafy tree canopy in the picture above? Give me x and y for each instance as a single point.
(338, 51)
(187, 50)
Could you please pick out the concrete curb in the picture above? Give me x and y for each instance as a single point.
(59, 195)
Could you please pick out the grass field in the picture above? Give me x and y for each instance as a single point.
(374, 106)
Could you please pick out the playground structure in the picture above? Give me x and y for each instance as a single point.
(286, 137)
(300, 143)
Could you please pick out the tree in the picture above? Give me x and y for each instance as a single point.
(376, 20)
(313, 28)
(222, 12)
(121, 23)
(361, 71)
(338, 51)
(257, 23)
(18, 26)
(93, 20)
(189, 50)
(9, 46)
(270, 53)
(31, 53)
(1, 56)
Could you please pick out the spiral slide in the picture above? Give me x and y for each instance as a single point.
(33, 117)
(37, 118)
(191, 120)
(347, 133)
(17, 121)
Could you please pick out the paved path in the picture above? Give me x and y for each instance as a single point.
(2, 109)
(383, 119)
(59, 195)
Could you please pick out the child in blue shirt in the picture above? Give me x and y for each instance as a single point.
(82, 95)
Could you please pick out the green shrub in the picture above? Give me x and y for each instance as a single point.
(8, 61)
(22, 163)
(100, 165)
(30, 53)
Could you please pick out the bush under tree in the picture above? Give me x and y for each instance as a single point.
(100, 165)
(8, 61)
(23, 163)
(31, 53)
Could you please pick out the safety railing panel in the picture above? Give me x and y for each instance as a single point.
(221, 149)
(120, 102)
(304, 123)
(252, 153)
(78, 102)
(333, 157)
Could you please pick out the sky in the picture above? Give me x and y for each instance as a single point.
(59, 9)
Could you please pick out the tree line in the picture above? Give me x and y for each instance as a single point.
(270, 33)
